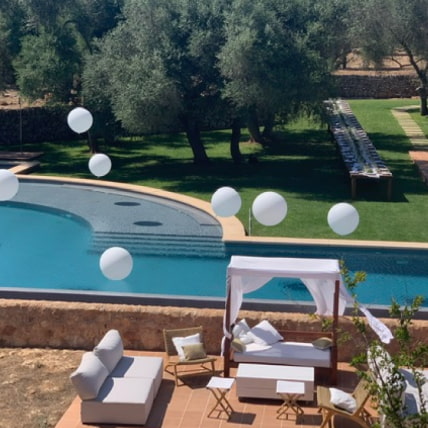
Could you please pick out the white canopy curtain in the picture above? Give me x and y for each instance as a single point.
(247, 274)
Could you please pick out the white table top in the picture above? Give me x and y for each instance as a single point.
(220, 382)
(290, 387)
(266, 371)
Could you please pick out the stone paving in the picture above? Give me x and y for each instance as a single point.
(418, 139)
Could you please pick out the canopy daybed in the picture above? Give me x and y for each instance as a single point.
(322, 278)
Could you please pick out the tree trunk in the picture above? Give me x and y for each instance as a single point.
(268, 128)
(193, 133)
(423, 95)
(234, 141)
(253, 127)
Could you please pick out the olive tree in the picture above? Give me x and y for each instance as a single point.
(156, 69)
(384, 28)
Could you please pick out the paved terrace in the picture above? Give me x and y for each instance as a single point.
(188, 406)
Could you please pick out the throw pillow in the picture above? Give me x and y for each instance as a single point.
(89, 376)
(110, 349)
(240, 328)
(322, 343)
(195, 351)
(343, 400)
(264, 333)
(179, 342)
(238, 345)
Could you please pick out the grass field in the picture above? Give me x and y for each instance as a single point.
(303, 166)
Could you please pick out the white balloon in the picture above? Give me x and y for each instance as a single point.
(269, 208)
(225, 202)
(343, 218)
(9, 185)
(116, 263)
(80, 120)
(99, 164)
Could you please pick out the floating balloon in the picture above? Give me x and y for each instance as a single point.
(116, 263)
(80, 120)
(9, 185)
(99, 164)
(343, 218)
(225, 202)
(269, 208)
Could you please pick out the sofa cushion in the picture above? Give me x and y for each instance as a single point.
(140, 366)
(110, 349)
(323, 343)
(89, 376)
(264, 333)
(121, 401)
(238, 345)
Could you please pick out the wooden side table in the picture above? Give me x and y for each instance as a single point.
(220, 386)
(290, 392)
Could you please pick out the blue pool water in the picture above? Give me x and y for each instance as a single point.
(49, 249)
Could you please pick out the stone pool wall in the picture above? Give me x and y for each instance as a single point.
(71, 325)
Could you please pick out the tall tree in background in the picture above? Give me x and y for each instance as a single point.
(385, 27)
(57, 34)
(270, 68)
(11, 18)
(157, 68)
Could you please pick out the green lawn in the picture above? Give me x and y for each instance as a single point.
(303, 167)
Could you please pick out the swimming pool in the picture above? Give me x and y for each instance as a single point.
(51, 249)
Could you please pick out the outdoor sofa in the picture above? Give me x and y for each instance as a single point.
(115, 388)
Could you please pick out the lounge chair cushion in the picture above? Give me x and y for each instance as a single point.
(343, 400)
(264, 333)
(179, 342)
(110, 349)
(195, 351)
(89, 376)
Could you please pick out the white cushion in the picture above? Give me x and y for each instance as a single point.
(121, 401)
(264, 333)
(110, 349)
(240, 328)
(89, 376)
(343, 400)
(179, 342)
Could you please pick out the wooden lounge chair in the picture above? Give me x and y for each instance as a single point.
(361, 394)
(174, 362)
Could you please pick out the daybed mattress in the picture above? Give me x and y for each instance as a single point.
(291, 353)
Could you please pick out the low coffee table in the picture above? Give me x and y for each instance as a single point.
(259, 380)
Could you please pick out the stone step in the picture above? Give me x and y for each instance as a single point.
(162, 245)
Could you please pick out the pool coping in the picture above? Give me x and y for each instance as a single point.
(233, 232)
(233, 229)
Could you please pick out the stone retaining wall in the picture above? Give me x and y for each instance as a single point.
(65, 325)
(376, 86)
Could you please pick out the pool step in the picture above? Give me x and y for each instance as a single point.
(160, 245)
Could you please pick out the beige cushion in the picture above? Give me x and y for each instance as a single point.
(323, 343)
(195, 351)
(110, 349)
(179, 342)
(238, 345)
(89, 376)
